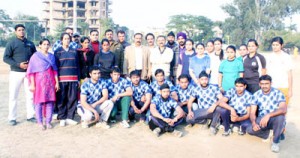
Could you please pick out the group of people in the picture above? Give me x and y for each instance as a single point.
(165, 84)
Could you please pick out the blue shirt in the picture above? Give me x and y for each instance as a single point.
(197, 65)
(140, 90)
(239, 103)
(165, 108)
(267, 103)
(93, 91)
(184, 94)
(58, 44)
(184, 60)
(231, 70)
(117, 88)
(206, 96)
(156, 88)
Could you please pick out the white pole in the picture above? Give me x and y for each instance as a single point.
(75, 16)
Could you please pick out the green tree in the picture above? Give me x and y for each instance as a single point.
(84, 28)
(4, 29)
(106, 23)
(60, 28)
(291, 38)
(250, 18)
(197, 28)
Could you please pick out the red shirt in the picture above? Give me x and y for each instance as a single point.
(95, 46)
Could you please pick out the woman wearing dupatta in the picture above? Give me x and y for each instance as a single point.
(43, 82)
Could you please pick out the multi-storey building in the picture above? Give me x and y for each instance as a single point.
(58, 12)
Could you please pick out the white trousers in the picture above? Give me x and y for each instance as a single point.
(16, 79)
(104, 110)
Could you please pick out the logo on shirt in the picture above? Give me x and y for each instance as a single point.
(253, 63)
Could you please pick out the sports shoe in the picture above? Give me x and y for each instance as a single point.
(125, 124)
(235, 129)
(226, 133)
(275, 147)
(157, 131)
(213, 130)
(71, 122)
(12, 122)
(103, 125)
(32, 120)
(221, 127)
(84, 124)
(54, 117)
(62, 123)
(177, 133)
(113, 121)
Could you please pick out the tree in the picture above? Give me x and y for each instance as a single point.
(250, 18)
(4, 27)
(197, 28)
(84, 28)
(60, 28)
(291, 38)
(106, 23)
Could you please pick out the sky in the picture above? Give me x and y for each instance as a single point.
(138, 14)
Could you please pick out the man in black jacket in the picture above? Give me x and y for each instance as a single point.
(17, 54)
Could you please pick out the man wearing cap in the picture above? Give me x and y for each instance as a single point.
(208, 97)
(174, 46)
(161, 108)
(58, 43)
(76, 39)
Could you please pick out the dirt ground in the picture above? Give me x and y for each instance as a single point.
(28, 140)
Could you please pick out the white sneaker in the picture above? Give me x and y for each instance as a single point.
(84, 124)
(71, 122)
(62, 123)
(125, 124)
(103, 125)
(235, 129)
(275, 147)
(156, 131)
(177, 133)
(54, 117)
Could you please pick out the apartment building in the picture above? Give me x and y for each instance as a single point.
(58, 12)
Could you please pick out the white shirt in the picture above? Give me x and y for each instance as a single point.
(214, 66)
(278, 66)
(160, 60)
(138, 58)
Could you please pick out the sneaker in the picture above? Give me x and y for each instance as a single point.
(85, 124)
(275, 147)
(125, 124)
(103, 125)
(113, 121)
(32, 120)
(213, 130)
(177, 133)
(157, 131)
(221, 127)
(62, 123)
(235, 129)
(12, 122)
(54, 117)
(71, 122)
(226, 133)
(49, 126)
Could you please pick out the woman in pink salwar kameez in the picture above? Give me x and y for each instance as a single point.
(42, 75)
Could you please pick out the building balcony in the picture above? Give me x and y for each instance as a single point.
(46, 9)
(78, 9)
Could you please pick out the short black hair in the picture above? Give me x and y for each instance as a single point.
(104, 40)
(135, 73)
(82, 39)
(108, 30)
(159, 71)
(182, 76)
(94, 31)
(277, 39)
(43, 40)
(93, 68)
(68, 28)
(203, 74)
(265, 77)
(240, 81)
(19, 25)
(149, 34)
(120, 32)
(115, 69)
(138, 34)
(231, 47)
(164, 86)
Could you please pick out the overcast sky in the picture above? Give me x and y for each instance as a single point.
(138, 14)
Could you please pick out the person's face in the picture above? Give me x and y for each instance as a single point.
(203, 81)
(230, 53)
(240, 88)
(210, 47)
(121, 37)
(109, 35)
(183, 83)
(95, 75)
(137, 40)
(200, 49)
(265, 86)
(243, 51)
(217, 45)
(45, 46)
(115, 76)
(135, 79)
(70, 32)
(150, 40)
(181, 41)
(276, 47)
(188, 45)
(171, 39)
(160, 77)
(165, 93)
(94, 36)
(105, 46)
(85, 43)
(76, 39)
(66, 40)
(252, 48)
(161, 41)
(20, 32)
